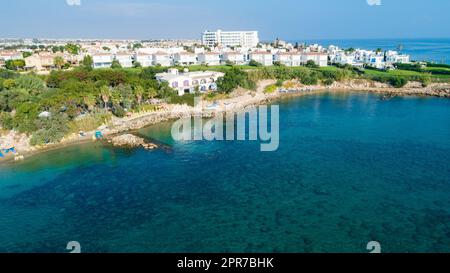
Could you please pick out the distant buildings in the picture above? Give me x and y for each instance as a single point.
(362, 58)
(245, 39)
(219, 47)
(8, 55)
(43, 61)
(190, 82)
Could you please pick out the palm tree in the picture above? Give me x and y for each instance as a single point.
(89, 101)
(151, 93)
(58, 61)
(139, 92)
(105, 94)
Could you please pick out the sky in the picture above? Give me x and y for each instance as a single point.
(179, 19)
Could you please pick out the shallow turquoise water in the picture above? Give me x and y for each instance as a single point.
(351, 168)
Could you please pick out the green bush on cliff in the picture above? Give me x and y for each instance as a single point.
(6, 121)
(51, 130)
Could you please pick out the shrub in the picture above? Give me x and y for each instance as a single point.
(185, 99)
(118, 110)
(254, 63)
(311, 64)
(328, 81)
(51, 130)
(6, 121)
(89, 122)
(270, 89)
(397, 82)
(234, 78)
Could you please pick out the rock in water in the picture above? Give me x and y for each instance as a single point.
(132, 141)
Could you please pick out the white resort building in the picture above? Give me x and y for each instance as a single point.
(209, 58)
(125, 59)
(185, 58)
(320, 59)
(246, 39)
(289, 58)
(102, 60)
(190, 82)
(162, 58)
(262, 57)
(234, 58)
(144, 59)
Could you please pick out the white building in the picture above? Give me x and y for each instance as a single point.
(234, 58)
(320, 59)
(377, 62)
(162, 58)
(190, 82)
(144, 59)
(289, 58)
(246, 39)
(102, 60)
(125, 59)
(262, 57)
(209, 58)
(10, 55)
(185, 58)
(343, 59)
(395, 57)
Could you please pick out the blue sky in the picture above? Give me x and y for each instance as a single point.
(287, 19)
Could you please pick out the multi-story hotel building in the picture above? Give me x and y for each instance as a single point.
(248, 39)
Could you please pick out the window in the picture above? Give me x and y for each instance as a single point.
(175, 84)
(186, 83)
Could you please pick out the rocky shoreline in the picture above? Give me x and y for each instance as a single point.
(240, 101)
(131, 141)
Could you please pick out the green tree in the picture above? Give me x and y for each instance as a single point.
(26, 54)
(59, 61)
(72, 49)
(105, 95)
(51, 129)
(33, 84)
(254, 63)
(235, 77)
(15, 64)
(9, 83)
(87, 63)
(152, 93)
(115, 64)
(311, 64)
(139, 92)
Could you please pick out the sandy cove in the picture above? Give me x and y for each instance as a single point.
(239, 100)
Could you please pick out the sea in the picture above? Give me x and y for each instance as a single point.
(351, 168)
(435, 50)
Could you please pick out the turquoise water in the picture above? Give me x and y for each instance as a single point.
(351, 168)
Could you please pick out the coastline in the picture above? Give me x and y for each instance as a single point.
(240, 100)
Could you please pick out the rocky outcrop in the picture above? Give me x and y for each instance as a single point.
(131, 141)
